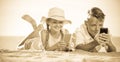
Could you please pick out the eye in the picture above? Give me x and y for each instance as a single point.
(93, 25)
(54, 22)
(61, 22)
(100, 24)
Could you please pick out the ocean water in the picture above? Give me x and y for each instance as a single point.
(10, 42)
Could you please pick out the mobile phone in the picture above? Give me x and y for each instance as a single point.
(104, 30)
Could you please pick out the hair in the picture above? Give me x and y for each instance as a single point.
(96, 12)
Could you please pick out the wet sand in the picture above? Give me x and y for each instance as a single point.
(55, 56)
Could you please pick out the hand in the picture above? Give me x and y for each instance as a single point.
(96, 38)
(40, 27)
(105, 37)
(28, 44)
(102, 38)
(61, 45)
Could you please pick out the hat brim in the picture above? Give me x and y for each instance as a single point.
(65, 21)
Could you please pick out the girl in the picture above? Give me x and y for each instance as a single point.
(54, 37)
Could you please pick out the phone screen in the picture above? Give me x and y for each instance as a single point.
(104, 30)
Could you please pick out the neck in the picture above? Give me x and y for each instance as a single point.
(55, 34)
(90, 34)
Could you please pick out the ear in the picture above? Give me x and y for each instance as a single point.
(86, 22)
(48, 22)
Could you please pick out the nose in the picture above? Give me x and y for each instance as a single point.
(97, 28)
(58, 25)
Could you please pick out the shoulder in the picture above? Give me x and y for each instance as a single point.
(65, 31)
(43, 34)
(81, 28)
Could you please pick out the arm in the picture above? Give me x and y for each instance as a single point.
(25, 46)
(80, 35)
(87, 47)
(107, 40)
(44, 38)
(52, 48)
(111, 47)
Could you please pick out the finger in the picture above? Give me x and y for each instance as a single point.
(40, 27)
(28, 42)
(59, 44)
(63, 44)
(102, 38)
(108, 31)
(106, 37)
(27, 46)
(104, 34)
(100, 41)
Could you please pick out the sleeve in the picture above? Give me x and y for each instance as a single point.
(79, 37)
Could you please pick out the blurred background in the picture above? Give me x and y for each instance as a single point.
(13, 29)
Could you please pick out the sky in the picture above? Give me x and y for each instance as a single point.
(11, 11)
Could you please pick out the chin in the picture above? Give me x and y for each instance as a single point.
(95, 34)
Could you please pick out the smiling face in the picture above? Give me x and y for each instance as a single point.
(93, 25)
(55, 24)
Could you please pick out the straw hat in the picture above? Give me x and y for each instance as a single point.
(57, 14)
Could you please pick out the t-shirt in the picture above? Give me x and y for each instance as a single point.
(83, 37)
(40, 42)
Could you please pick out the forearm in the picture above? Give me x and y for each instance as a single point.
(87, 47)
(21, 47)
(111, 48)
(52, 48)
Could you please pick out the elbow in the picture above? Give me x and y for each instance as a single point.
(82, 47)
(111, 49)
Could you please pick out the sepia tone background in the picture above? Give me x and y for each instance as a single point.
(14, 29)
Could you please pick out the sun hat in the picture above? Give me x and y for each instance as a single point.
(57, 14)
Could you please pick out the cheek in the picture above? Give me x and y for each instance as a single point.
(61, 25)
(91, 29)
(51, 25)
(57, 25)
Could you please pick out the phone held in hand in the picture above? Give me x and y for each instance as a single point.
(104, 30)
